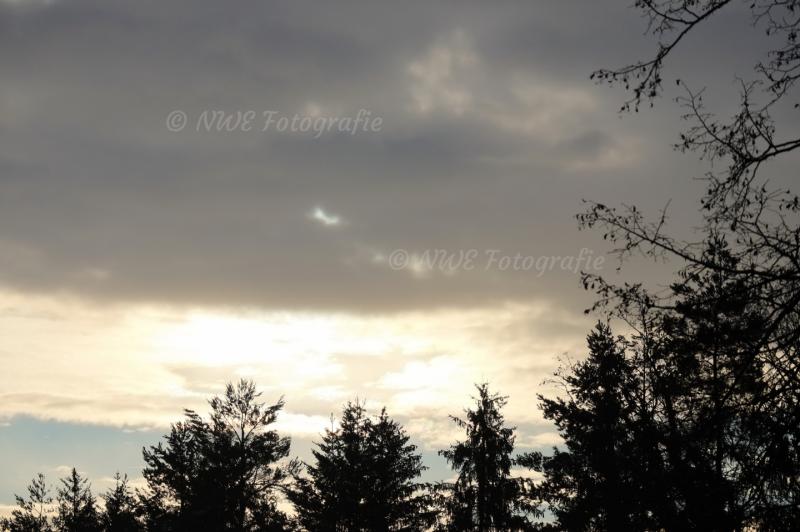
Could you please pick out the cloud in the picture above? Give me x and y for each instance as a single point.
(480, 148)
(27, 3)
(423, 374)
(437, 77)
(319, 215)
(303, 425)
(140, 367)
(542, 439)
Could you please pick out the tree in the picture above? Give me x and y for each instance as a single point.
(485, 496)
(119, 514)
(242, 455)
(77, 507)
(733, 432)
(758, 225)
(675, 428)
(32, 513)
(220, 474)
(673, 20)
(729, 328)
(363, 478)
(172, 473)
(601, 481)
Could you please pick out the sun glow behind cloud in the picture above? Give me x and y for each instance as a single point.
(140, 366)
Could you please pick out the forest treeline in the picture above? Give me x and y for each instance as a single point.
(230, 471)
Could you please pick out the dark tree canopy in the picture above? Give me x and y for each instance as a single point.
(74, 508)
(222, 473)
(33, 512)
(678, 427)
(722, 341)
(77, 507)
(484, 496)
(119, 514)
(364, 478)
(596, 483)
(757, 224)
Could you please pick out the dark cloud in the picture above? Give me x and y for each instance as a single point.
(492, 134)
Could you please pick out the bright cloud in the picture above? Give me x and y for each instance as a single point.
(139, 366)
(324, 218)
(439, 76)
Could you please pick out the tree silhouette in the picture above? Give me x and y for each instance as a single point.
(603, 480)
(757, 224)
(363, 478)
(671, 21)
(172, 474)
(485, 496)
(678, 427)
(220, 474)
(726, 414)
(721, 345)
(77, 507)
(33, 512)
(119, 514)
(242, 454)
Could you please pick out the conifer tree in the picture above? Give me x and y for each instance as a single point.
(33, 512)
(484, 496)
(682, 426)
(363, 478)
(119, 514)
(600, 481)
(77, 507)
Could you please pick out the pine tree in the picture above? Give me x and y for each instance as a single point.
(484, 496)
(597, 482)
(77, 507)
(32, 513)
(728, 423)
(682, 426)
(363, 478)
(120, 508)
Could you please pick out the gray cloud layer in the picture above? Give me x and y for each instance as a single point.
(491, 136)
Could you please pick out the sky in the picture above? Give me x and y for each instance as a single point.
(147, 256)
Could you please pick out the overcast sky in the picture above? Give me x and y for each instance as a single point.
(141, 268)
